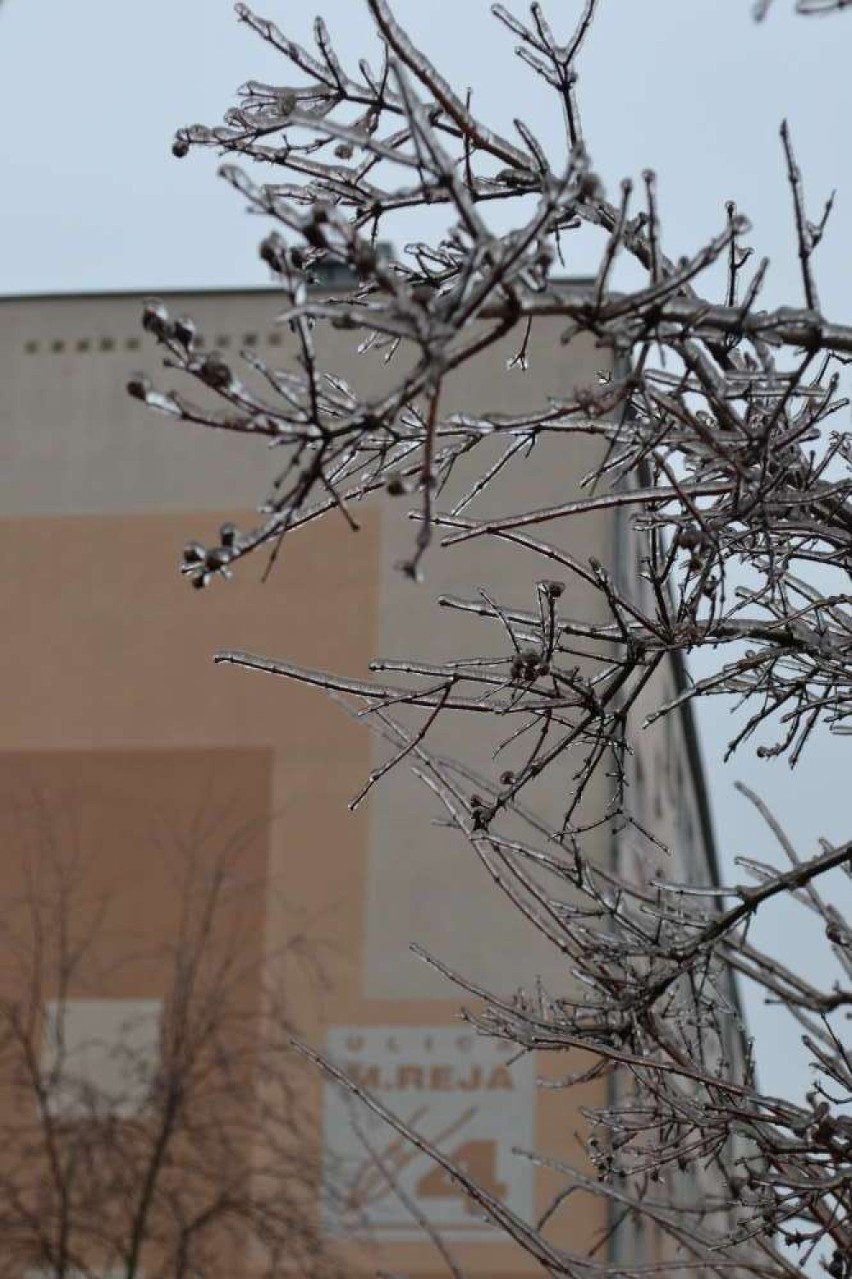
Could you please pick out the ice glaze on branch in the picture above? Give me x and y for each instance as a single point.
(717, 447)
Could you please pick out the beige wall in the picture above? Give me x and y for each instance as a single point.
(72, 441)
(109, 650)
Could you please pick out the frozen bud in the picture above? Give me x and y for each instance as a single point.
(507, 778)
(479, 812)
(215, 372)
(217, 557)
(228, 534)
(272, 250)
(364, 258)
(194, 553)
(287, 103)
(517, 178)
(590, 186)
(200, 581)
(553, 589)
(180, 146)
(314, 236)
(544, 258)
(396, 485)
(185, 331)
(139, 386)
(155, 318)
(690, 537)
(423, 293)
(343, 150)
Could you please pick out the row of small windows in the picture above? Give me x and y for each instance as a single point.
(82, 346)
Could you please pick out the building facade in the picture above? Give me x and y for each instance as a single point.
(114, 711)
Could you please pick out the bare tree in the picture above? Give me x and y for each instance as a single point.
(168, 1137)
(717, 441)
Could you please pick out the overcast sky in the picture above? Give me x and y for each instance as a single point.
(91, 92)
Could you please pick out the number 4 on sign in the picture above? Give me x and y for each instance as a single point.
(479, 1160)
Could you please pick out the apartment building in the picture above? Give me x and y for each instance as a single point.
(118, 724)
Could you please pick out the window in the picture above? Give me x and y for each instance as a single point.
(99, 1055)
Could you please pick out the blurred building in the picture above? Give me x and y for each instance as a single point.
(112, 707)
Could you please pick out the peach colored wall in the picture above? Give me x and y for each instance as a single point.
(111, 859)
(110, 650)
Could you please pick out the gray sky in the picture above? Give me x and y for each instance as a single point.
(91, 92)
